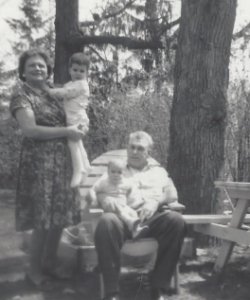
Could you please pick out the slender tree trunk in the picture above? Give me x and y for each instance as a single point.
(198, 112)
(66, 27)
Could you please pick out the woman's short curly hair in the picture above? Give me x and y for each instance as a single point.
(30, 53)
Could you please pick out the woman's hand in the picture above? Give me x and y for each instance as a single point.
(83, 128)
(74, 133)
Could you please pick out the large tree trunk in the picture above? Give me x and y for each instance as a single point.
(66, 27)
(198, 113)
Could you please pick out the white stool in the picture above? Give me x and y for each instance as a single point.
(139, 248)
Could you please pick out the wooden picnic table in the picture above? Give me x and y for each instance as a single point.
(232, 232)
(226, 227)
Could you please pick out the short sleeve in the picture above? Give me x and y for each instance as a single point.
(18, 100)
(85, 87)
(74, 89)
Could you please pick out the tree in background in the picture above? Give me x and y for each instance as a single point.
(111, 34)
(26, 26)
(198, 115)
(132, 46)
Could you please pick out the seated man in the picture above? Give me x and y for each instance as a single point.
(167, 227)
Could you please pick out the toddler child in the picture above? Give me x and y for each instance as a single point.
(75, 96)
(113, 193)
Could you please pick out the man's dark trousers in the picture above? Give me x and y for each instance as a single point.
(168, 228)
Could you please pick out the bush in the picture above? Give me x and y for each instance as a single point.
(111, 122)
(10, 144)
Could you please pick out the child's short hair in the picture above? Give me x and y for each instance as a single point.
(117, 163)
(79, 59)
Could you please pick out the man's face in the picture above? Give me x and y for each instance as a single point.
(137, 153)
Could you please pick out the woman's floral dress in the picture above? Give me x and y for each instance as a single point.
(44, 198)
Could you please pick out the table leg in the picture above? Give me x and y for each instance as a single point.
(227, 247)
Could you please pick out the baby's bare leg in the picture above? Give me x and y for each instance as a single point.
(128, 215)
(85, 161)
(77, 163)
(138, 230)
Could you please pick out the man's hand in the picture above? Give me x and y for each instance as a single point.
(148, 210)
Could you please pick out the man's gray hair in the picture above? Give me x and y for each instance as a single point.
(142, 136)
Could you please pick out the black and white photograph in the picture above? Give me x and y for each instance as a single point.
(124, 150)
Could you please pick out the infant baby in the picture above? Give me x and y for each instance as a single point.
(113, 192)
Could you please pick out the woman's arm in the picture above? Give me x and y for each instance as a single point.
(26, 120)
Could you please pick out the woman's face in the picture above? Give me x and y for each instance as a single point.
(35, 70)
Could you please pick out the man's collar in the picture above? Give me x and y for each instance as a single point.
(151, 163)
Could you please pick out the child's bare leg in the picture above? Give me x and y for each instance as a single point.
(85, 161)
(77, 163)
(130, 217)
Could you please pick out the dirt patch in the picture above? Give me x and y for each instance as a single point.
(197, 282)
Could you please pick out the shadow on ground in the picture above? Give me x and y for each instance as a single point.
(197, 280)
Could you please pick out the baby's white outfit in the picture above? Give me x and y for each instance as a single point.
(75, 95)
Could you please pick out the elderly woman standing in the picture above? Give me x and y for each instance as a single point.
(44, 200)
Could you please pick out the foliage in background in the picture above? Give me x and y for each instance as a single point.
(31, 30)
(128, 107)
(130, 90)
(10, 137)
(237, 140)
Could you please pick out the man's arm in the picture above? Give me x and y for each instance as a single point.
(159, 187)
(169, 194)
(161, 191)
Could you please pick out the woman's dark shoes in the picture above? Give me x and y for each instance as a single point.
(112, 298)
(161, 294)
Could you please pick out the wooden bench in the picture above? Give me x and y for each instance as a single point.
(231, 230)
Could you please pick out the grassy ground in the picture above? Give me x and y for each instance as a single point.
(196, 280)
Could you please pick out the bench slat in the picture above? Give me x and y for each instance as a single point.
(98, 170)
(232, 184)
(89, 181)
(224, 232)
(236, 190)
(206, 219)
(106, 157)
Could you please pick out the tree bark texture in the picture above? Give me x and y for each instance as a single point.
(66, 27)
(198, 113)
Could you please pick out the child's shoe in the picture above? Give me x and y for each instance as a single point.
(140, 232)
